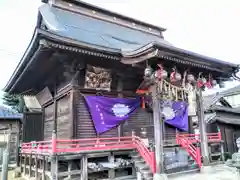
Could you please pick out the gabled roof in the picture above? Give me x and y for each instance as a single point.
(130, 42)
(74, 28)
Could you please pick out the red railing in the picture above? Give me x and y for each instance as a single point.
(93, 144)
(212, 137)
(147, 155)
(187, 140)
(193, 151)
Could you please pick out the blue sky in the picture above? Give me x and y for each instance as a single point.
(207, 27)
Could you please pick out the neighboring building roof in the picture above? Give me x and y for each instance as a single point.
(226, 118)
(211, 100)
(231, 91)
(226, 109)
(7, 113)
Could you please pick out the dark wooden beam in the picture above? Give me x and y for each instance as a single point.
(158, 131)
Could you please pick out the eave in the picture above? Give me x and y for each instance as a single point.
(23, 62)
(44, 39)
(177, 55)
(56, 41)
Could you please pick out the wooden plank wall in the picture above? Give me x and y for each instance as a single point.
(48, 121)
(63, 118)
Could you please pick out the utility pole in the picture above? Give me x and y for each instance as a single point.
(4, 175)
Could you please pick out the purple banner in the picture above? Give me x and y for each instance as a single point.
(109, 112)
(180, 120)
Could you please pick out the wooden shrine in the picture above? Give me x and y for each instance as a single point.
(80, 50)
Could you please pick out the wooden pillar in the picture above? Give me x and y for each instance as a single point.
(158, 130)
(43, 168)
(55, 109)
(73, 95)
(72, 114)
(30, 165)
(111, 172)
(20, 162)
(25, 164)
(36, 166)
(84, 168)
(54, 167)
(190, 125)
(202, 128)
(222, 151)
(69, 169)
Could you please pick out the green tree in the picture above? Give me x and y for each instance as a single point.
(14, 101)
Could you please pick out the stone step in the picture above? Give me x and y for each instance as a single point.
(149, 178)
(146, 172)
(139, 161)
(136, 156)
(126, 178)
(142, 166)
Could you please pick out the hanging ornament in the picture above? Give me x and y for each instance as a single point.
(175, 76)
(200, 83)
(164, 74)
(148, 72)
(208, 84)
(190, 78)
(161, 73)
(178, 76)
(204, 80)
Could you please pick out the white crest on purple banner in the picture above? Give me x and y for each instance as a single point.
(120, 110)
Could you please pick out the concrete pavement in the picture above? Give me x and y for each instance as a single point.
(219, 172)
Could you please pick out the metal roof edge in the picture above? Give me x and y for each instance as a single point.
(195, 55)
(60, 39)
(111, 13)
(157, 45)
(25, 55)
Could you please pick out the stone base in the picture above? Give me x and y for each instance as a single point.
(207, 169)
(160, 177)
